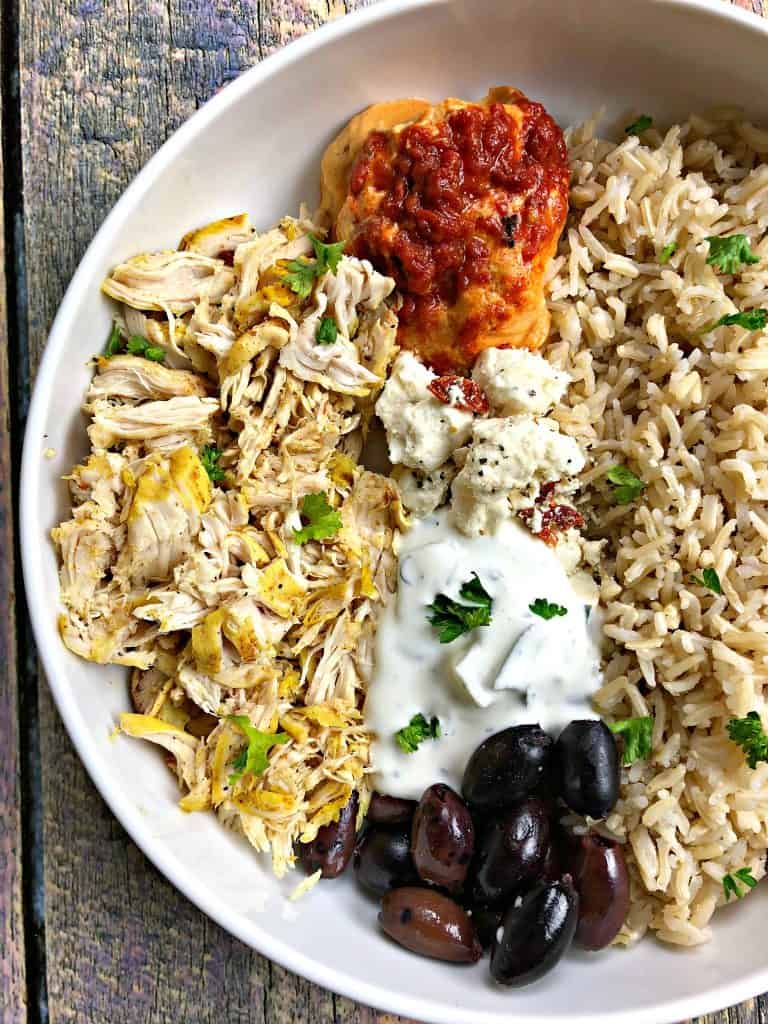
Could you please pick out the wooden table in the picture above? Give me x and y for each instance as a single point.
(89, 932)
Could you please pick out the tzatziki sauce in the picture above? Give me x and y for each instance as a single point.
(521, 668)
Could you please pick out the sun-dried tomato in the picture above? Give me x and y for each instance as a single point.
(554, 518)
(460, 392)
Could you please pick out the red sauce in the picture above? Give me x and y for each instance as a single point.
(426, 233)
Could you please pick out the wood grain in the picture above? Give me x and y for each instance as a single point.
(12, 949)
(103, 83)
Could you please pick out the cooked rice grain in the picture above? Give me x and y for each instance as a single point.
(686, 411)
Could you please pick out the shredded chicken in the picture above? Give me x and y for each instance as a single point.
(180, 558)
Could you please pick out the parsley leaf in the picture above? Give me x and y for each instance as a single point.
(452, 619)
(209, 456)
(637, 737)
(732, 883)
(114, 342)
(327, 331)
(322, 520)
(328, 256)
(627, 486)
(253, 758)
(546, 609)
(642, 124)
(418, 729)
(748, 734)
(667, 252)
(710, 580)
(300, 276)
(728, 253)
(750, 320)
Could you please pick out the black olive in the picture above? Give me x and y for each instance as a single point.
(383, 859)
(511, 851)
(442, 838)
(487, 921)
(535, 933)
(507, 767)
(602, 882)
(390, 810)
(427, 922)
(588, 768)
(332, 847)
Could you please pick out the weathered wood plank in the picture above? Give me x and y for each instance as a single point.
(103, 84)
(13, 996)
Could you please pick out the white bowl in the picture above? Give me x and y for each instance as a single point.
(255, 147)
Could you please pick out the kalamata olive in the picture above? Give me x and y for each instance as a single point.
(442, 838)
(510, 852)
(536, 933)
(390, 810)
(588, 768)
(602, 882)
(383, 859)
(332, 847)
(487, 921)
(507, 767)
(552, 869)
(429, 923)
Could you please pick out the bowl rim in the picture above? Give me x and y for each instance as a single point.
(343, 982)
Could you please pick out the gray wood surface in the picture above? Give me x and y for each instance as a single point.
(102, 84)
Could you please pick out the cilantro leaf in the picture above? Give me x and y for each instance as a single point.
(750, 320)
(732, 883)
(209, 456)
(748, 734)
(546, 609)
(328, 255)
(728, 253)
(323, 521)
(137, 345)
(253, 758)
(155, 353)
(327, 332)
(667, 252)
(710, 580)
(300, 276)
(418, 729)
(637, 737)
(627, 486)
(642, 124)
(452, 619)
(114, 342)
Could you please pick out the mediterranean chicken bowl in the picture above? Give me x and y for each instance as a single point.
(429, 526)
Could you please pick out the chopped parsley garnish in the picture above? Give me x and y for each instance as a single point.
(642, 124)
(138, 346)
(546, 609)
(253, 758)
(418, 729)
(710, 580)
(750, 320)
(320, 519)
(114, 342)
(732, 883)
(626, 486)
(327, 332)
(209, 456)
(667, 252)
(301, 274)
(728, 253)
(636, 733)
(749, 735)
(452, 619)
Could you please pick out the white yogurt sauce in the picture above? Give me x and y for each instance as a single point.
(519, 669)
